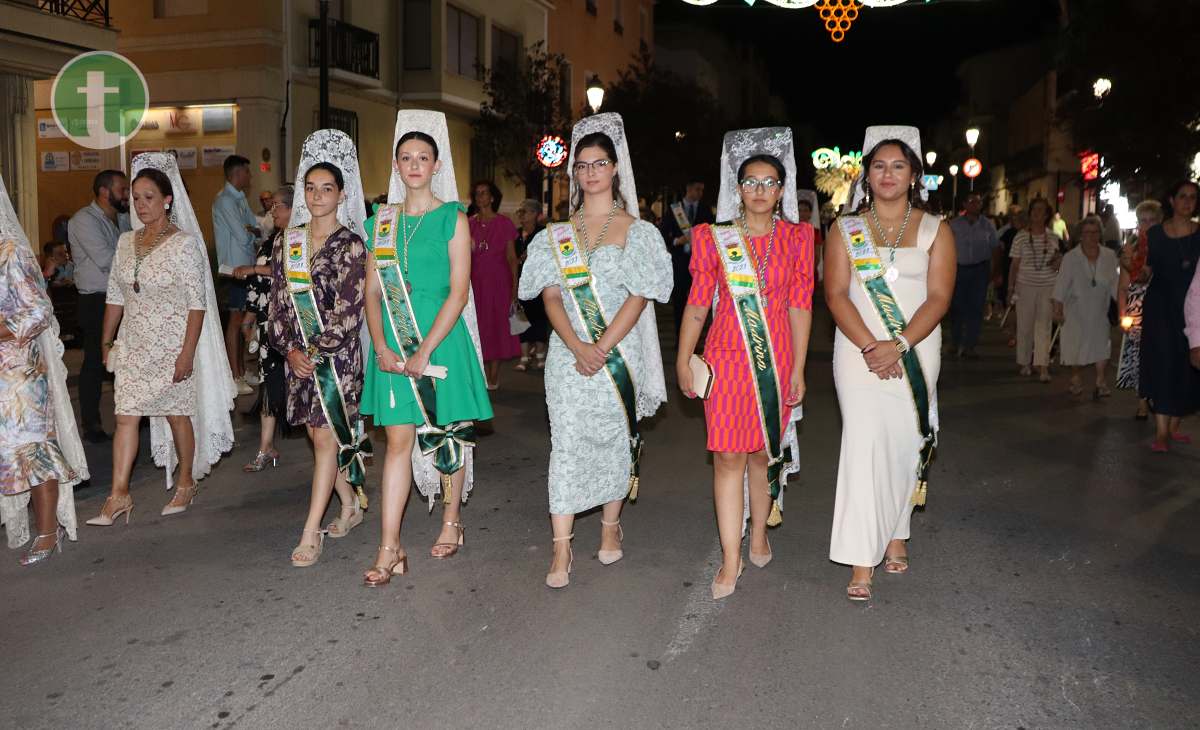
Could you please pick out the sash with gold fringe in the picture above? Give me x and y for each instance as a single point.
(352, 441)
(869, 269)
(446, 444)
(734, 251)
(577, 279)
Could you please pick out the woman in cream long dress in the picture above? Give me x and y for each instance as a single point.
(1085, 287)
(881, 441)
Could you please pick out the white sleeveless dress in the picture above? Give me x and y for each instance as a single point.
(880, 438)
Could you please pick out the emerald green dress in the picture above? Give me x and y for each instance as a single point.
(462, 395)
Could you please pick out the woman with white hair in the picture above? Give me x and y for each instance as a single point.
(534, 339)
(1086, 283)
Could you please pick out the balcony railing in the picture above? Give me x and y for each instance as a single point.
(89, 11)
(351, 48)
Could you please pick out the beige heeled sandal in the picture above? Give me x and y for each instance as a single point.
(608, 557)
(307, 554)
(562, 578)
(859, 590)
(345, 523)
(443, 550)
(113, 508)
(385, 572)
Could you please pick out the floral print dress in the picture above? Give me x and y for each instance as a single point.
(338, 273)
(272, 398)
(29, 451)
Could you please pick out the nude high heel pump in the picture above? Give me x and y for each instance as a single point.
(181, 501)
(720, 590)
(562, 578)
(113, 508)
(760, 561)
(608, 557)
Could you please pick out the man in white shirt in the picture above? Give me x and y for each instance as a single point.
(236, 232)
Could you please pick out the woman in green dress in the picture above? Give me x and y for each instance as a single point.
(424, 379)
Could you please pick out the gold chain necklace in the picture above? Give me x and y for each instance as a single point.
(583, 234)
(141, 251)
(409, 237)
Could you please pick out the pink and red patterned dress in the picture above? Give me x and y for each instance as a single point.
(492, 282)
(731, 411)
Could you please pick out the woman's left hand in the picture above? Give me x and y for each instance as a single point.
(796, 389)
(414, 367)
(883, 359)
(183, 366)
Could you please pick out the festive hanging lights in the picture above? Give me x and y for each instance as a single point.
(838, 15)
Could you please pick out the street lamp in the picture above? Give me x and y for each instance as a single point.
(930, 158)
(1101, 87)
(595, 94)
(972, 138)
(954, 199)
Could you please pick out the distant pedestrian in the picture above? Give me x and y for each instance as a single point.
(1131, 292)
(1111, 228)
(1166, 380)
(1191, 319)
(93, 232)
(493, 278)
(1061, 229)
(533, 340)
(976, 241)
(235, 229)
(1083, 291)
(681, 217)
(57, 268)
(1036, 256)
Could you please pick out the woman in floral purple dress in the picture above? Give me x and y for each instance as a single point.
(337, 267)
(493, 278)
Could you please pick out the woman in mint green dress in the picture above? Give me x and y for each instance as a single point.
(428, 399)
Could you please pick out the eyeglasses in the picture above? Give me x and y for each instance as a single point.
(750, 184)
(599, 165)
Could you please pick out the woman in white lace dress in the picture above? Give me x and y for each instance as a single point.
(164, 357)
(590, 457)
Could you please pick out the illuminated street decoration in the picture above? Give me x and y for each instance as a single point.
(551, 151)
(1089, 165)
(838, 15)
(836, 172)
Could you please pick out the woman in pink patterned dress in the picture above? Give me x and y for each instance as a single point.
(493, 278)
(782, 255)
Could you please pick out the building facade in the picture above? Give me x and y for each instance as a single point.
(234, 77)
(35, 42)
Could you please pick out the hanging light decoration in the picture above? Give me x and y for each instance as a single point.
(838, 15)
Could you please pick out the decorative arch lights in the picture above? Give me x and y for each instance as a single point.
(838, 15)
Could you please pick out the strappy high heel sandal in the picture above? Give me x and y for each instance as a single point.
(113, 508)
(859, 590)
(385, 572)
(345, 523)
(307, 554)
(260, 461)
(443, 550)
(562, 578)
(720, 590)
(181, 501)
(37, 556)
(608, 557)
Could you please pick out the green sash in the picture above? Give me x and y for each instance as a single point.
(867, 266)
(352, 441)
(734, 252)
(447, 445)
(578, 281)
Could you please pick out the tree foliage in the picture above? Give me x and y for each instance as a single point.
(1148, 127)
(656, 103)
(521, 105)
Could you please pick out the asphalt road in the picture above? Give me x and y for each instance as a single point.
(1053, 585)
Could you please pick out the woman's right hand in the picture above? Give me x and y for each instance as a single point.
(683, 374)
(105, 348)
(388, 361)
(589, 358)
(300, 364)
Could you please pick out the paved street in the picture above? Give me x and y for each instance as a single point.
(1054, 585)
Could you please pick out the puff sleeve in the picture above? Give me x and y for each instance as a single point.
(646, 265)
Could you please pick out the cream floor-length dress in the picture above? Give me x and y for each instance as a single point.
(877, 469)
